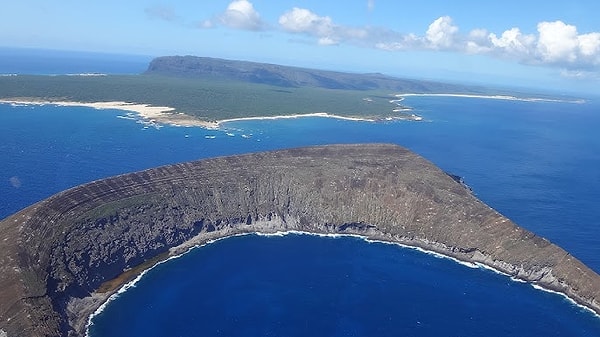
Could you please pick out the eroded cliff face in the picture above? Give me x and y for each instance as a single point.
(57, 253)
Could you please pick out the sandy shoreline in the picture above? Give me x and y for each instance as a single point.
(314, 114)
(499, 97)
(157, 114)
(169, 116)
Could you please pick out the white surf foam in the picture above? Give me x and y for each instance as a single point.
(467, 264)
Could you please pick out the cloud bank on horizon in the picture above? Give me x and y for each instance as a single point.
(556, 44)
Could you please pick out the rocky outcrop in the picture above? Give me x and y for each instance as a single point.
(57, 253)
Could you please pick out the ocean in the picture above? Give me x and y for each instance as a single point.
(536, 162)
(58, 62)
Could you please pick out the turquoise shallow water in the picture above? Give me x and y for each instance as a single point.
(537, 163)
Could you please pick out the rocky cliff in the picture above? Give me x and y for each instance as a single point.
(57, 253)
(286, 76)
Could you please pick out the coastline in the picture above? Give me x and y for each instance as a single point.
(497, 97)
(202, 240)
(153, 114)
(314, 114)
(139, 197)
(169, 116)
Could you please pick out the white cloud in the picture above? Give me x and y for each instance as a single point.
(327, 41)
(580, 74)
(561, 44)
(512, 43)
(557, 42)
(370, 5)
(304, 21)
(300, 20)
(401, 43)
(477, 41)
(441, 34)
(554, 43)
(589, 45)
(162, 12)
(240, 14)
(206, 24)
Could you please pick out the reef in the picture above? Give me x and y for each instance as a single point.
(63, 256)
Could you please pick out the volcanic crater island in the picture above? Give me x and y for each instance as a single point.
(64, 256)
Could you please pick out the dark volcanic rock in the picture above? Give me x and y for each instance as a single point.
(57, 253)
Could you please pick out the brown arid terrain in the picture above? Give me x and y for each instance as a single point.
(62, 257)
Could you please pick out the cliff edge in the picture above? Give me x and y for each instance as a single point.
(58, 253)
(291, 77)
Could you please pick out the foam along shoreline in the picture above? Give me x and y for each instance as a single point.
(130, 284)
(498, 97)
(219, 123)
(151, 114)
(458, 226)
(468, 264)
(195, 243)
(168, 115)
(315, 114)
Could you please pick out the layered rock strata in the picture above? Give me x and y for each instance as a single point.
(57, 254)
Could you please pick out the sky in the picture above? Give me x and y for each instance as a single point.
(542, 44)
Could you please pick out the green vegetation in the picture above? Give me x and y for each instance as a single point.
(110, 209)
(215, 89)
(207, 99)
(289, 77)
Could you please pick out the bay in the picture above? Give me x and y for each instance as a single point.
(536, 162)
(301, 285)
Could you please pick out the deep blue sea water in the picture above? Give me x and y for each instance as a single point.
(300, 285)
(536, 162)
(53, 62)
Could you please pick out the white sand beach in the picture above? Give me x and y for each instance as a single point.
(500, 97)
(315, 114)
(157, 114)
(168, 115)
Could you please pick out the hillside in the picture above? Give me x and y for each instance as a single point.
(292, 77)
(62, 257)
(210, 90)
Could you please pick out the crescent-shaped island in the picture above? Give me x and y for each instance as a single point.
(62, 257)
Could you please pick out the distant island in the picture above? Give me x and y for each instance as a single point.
(189, 90)
(289, 77)
(64, 256)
